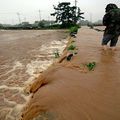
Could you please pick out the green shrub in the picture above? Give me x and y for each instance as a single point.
(56, 53)
(75, 53)
(73, 41)
(91, 65)
(74, 29)
(71, 47)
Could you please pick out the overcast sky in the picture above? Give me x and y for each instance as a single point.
(29, 9)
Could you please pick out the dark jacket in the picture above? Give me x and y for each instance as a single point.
(112, 22)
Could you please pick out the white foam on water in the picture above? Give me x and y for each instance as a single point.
(53, 46)
(20, 89)
(56, 42)
(35, 67)
(16, 65)
(26, 97)
(10, 102)
(43, 48)
(40, 56)
(58, 45)
(16, 112)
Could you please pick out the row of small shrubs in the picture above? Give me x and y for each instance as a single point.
(71, 47)
(74, 29)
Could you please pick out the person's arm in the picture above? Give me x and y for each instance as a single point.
(106, 20)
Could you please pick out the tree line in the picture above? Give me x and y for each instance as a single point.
(66, 16)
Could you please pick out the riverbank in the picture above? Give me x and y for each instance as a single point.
(69, 91)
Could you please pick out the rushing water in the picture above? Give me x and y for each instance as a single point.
(23, 56)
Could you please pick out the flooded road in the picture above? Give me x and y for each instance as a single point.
(70, 93)
(23, 56)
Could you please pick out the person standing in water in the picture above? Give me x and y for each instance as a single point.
(112, 22)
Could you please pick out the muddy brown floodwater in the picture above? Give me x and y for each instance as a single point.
(24, 54)
(68, 93)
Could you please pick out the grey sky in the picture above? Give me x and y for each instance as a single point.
(28, 9)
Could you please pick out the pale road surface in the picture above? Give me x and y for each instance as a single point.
(72, 94)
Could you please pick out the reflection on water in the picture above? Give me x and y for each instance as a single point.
(23, 56)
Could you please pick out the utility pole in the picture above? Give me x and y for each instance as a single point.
(75, 3)
(91, 17)
(49, 20)
(12, 21)
(24, 19)
(39, 15)
(18, 14)
(75, 9)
